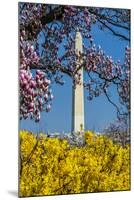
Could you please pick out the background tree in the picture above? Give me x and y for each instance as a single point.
(118, 132)
(47, 54)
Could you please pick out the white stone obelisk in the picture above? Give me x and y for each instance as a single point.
(78, 94)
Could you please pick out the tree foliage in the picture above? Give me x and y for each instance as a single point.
(119, 132)
(57, 167)
(48, 30)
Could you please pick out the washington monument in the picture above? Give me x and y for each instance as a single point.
(78, 94)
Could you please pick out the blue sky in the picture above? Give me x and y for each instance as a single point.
(98, 113)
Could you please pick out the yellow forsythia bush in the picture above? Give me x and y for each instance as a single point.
(51, 166)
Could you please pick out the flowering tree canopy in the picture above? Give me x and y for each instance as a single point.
(47, 54)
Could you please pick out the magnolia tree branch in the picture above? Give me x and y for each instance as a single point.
(115, 33)
(47, 54)
(106, 17)
(117, 21)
